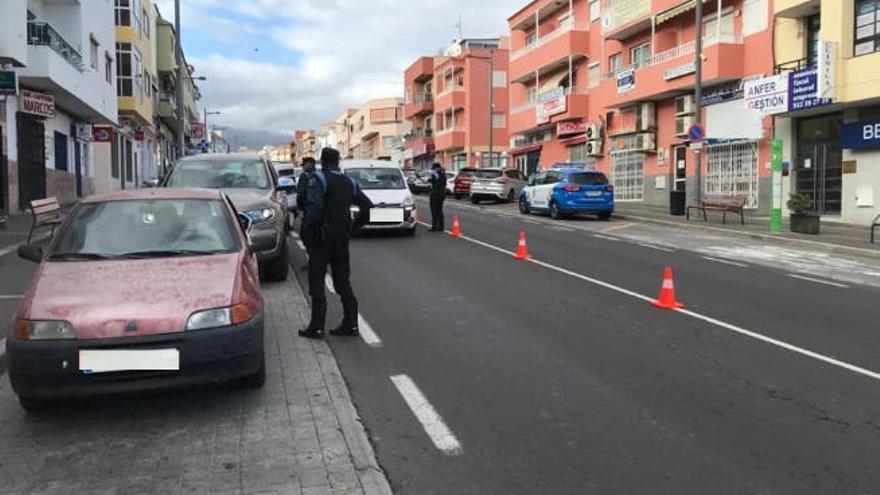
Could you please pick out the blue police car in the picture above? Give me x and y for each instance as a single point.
(563, 191)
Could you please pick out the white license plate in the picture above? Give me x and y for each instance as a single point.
(386, 215)
(594, 193)
(96, 361)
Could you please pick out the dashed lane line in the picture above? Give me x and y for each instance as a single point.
(607, 238)
(328, 281)
(726, 262)
(655, 247)
(368, 335)
(300, 245)
(2, 347)
(437, 431)
(818, 281)
(618, 227)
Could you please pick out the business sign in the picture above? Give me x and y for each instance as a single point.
(83, 131)
(103, 133)
(825, 77)
(803, 90)
(860, 135)
(723, 93)
(550, 103)
(39, 104)
(197, 129)
(619, 13)
(680, 71)
(768, 95)
(8, 83)
(626, 81)
(571, 127)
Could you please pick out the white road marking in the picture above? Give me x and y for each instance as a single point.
(606, 237)
(618, 227)
(367, 334)
(726, 262)
(708, 319)
(818, 281)
(3, 347)
(294, 235)
(328, 281)
(563, 229)
(10, 249)
(11, 297)
(658, 248)
(300, 245)
(426, 414)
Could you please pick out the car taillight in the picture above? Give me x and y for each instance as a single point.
(609, 188)
(571, 188)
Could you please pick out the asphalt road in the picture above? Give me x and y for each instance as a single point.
(557, 376)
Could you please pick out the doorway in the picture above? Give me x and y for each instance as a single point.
(533, 162)
(77, 167)
(679, 173)
(818, 171)
(31, 160)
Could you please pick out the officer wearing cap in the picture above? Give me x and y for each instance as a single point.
(327, 224)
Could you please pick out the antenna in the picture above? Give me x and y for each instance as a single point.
(459, 26)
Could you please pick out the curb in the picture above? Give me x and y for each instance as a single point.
(821, 246)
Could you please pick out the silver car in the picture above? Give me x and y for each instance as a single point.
(497, 184)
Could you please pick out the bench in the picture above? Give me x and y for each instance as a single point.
(874, 225)
(46, 213)
(724, 204)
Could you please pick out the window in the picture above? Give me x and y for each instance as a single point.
(615, 62)
(145, 23)
(593, 75)
(640, 55)
(594, 10)
(129, 71)
(867, 28)
(390, 142)
(813, 24)
(532, 38)
(499, 120)
(108, 68)
(577, 153)
(123, 12)
(93, 52)
(499, 79)
(532, 95)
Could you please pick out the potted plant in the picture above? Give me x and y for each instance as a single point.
(804, 219)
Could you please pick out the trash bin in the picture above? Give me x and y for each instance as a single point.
(677, 200)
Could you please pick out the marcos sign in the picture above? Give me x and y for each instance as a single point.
(40, 104)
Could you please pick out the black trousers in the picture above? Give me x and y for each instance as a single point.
(437, 220)
(331, 251)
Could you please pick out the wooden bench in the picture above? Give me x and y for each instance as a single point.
(46, 213)
(724, 204)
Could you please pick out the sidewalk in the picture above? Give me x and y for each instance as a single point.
(300, 434)
(834, 237)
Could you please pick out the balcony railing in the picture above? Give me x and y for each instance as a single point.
(688, 48)
(801, 63)
(449, 130)
(417, 134)
(423, 98)
(547, 38)
(43, 34)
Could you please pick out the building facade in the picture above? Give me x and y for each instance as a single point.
(304, 145)
(375, 130)
(418, 110)
(59, 58)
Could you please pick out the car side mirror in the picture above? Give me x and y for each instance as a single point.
(32, 252)
(286, 184)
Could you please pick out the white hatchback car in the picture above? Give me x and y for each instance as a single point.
(497, 184)
(394, 207)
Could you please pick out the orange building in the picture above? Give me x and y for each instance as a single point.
(611, 82)
(448, 104)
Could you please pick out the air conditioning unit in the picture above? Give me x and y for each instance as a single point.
(647, 116)
(645, 142)
(594, 132)
(594, 148)
(684, 105)
(682, 124)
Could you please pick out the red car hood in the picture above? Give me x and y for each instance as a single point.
(100, 298)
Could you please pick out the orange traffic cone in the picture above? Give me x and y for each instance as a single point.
(456, 227)
(667, 293)
(522, 250)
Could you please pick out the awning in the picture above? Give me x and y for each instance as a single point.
(553, 81)
(574, 141)
(526, 149)
(676, 11)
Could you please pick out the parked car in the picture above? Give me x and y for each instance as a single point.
(410, 175)
(394, 207)
(139, 290)
(497, 184)
(462, 186)
(286, 169)
(256, 191)
(420, 184)
(565, 191)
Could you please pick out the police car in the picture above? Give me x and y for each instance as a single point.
(394, 207)
(562, 191)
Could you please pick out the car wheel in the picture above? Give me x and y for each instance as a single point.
(555, 214)
(511, 195)
(276, 270)
(458, 196)
(475, 200)
(258, 378)
(524, 206)
(34, 405)
(605, 216)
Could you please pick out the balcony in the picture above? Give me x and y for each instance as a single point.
(421, 104)
(168, 110)
(557, 45)
(450, 99)
(420, 71)
(43, 34)
(450, 138)
(524, 117)
(420, 141)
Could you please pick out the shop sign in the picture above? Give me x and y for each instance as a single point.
(723, 94)
(768, 95)
(551, 102)
(8, 83)
(860, 135)
(570, 127)
(619, 13)
(803, 90)
(826, 67)
(39, 104)
(103, 133)
(83, 131)
(626, 81)
(680, 71)
(197, 130)
(139, 135)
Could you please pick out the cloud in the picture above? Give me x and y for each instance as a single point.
(317, 57)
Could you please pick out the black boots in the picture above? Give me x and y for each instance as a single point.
(346, 331)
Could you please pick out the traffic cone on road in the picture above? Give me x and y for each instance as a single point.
(522, 249)
(667, 293)
(456, 227)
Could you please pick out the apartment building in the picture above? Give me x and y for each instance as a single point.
(827, 54)
(344, 129)
(58, 83)
(304, 145)
(375, 130)
(418, 110)
(327, 137)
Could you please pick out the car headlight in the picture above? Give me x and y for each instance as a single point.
(219, 317)
(408, 204)
(261, 215)
(44, 330)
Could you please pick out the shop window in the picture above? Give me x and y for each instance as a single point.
(813, 24)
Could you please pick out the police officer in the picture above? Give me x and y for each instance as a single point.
(309, 167)
(438, 196)
(327, 223)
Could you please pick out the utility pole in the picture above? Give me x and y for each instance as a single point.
(491, 105)
(181, 80)
(698, 92)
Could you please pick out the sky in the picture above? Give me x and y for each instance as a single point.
(282, 65)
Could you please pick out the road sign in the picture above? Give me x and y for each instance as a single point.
(696, 133)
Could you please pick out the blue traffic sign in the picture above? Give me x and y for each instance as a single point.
(696, 132)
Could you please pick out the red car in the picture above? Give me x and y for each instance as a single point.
(139, 290)
(463, 181)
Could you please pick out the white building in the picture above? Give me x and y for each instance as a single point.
(63, 54)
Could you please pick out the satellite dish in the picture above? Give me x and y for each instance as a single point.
(454, 50)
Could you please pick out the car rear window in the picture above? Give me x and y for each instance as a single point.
(588, 179)
(488, 174)
(466, 172)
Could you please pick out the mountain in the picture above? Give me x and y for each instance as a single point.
(254, 139)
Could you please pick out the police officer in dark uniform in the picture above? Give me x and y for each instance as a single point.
(438, 196)
(309, 166)
(327, 224)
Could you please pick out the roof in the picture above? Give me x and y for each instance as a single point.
(155, 193)
(222, 157)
